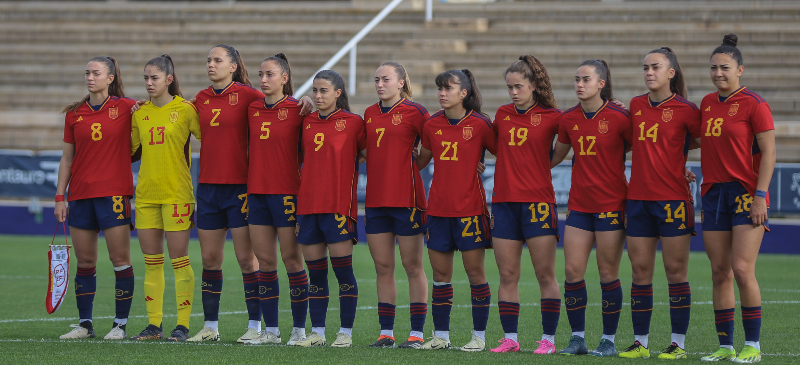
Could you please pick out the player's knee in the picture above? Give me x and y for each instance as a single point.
(293, 264)
(384, 268)
(211, 261)
(508, 276)
(545, 277)
(413, 267)
(676, 273)
(744, 274)
(268, 265)
(247, 265)
(721, 275)
(573, 274)
(608, 275)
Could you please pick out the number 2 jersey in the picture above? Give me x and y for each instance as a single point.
(728, 131)
(274, 143)
(102, 163)
(598, 141)
(329, 177)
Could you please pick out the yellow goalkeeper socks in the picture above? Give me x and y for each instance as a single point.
(154, 287)
(184, 288)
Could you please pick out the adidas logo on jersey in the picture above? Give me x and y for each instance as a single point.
(683, 226)
(121, 217)
(79, 119)
(439, 132)
(344, 231)
(206, 102)
(416, 225)
(615, 221)
(546, 225)
(478, 239)
(186, 302)
(256, 114)
(147, 117)
(575, 128)
(369, 120)
(308, 126)
(180, 221)
(507, 118)
(639, 113)
(708, 110)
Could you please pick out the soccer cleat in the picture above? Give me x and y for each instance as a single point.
(722, 354)
(635, 351)
(117, 332)
(605, 348)
(314, 339)
(151, 332)
(251, 334)
(748, 355)
(265, 338)
(506, 345)
(342, 340)
(205, 334)
(545, 348)
(412, 343)
(435, 343)
(82, 330)
(673, 352)
(384, 342)
(476, 344)
(577, 346)
(179, 334)
(297, 336)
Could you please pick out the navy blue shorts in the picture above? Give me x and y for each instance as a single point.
(597, 222)
(272, 210)
(520, 221)
(400, 221)
(96, 214)
(221, 206)
(726, 205)
(662, 218)
(326, 228)
(446, 234)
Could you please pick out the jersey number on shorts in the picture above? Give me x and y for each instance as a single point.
(244, 204)
(544, 211)
(522, 136)
(287, 201)
(341, 219)
(119, 204)
(744, 201)
(468, 221)
(680, 212)
(716, 129)
(651, 133)
(447, 147)
(175, 210)
(590, 140)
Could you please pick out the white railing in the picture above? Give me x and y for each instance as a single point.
(350, 47)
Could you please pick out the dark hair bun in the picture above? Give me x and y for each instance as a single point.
(281, 56)
(730, 40)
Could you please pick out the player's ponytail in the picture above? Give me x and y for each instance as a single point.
(402, 74)
(603, 73)
(283, 63)
(164, 64)
(114, 89)
(240, 75)
(466, 81)
(728, 47)
(338, 84)
(534, 71)
(676, 84)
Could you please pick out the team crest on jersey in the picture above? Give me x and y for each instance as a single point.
(666, 115)
(734, 108)
(113, 112)
(536, 119)
(233, 99)
(397, 118)
(340, 124)
(603, 126)
(467, 133)
(173, 116)
(283, 113)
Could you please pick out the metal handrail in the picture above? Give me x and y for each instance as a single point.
(350, 47)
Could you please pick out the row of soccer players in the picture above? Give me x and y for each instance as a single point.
(250, 182)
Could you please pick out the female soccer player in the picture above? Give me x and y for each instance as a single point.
(96, 166)
(164, 199)
(395, 204)
(524, 202)
(222, 188)
(738, 159)
(457, 138)
(273, 181)
(659, 202)
(327, 209)
(600, 132)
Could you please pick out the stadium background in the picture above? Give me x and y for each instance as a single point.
(47, 43)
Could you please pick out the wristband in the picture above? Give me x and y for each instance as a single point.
(761, 194)
(59, 198)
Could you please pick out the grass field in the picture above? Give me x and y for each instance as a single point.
(29, 335)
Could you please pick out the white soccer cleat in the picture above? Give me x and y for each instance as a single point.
(298, 335)
(117, 332)
(314, 339)
(435, 343)
(205, 334)
(342, 340)
(251, 334)
(265, 338)
(474, 345)
(79, 331)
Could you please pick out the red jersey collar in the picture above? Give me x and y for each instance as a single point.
(393, 106)
(732, 94)
(667, 100)
(266, 106)
(328, 117)
(535, 104)
(224, 90)
(102, 105)
(595, 113)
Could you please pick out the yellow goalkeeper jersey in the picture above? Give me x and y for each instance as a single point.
(163, 133)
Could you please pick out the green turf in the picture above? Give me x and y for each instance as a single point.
(29, 335)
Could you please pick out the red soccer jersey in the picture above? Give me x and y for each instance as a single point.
(660, 146)
(728, 130)
(598, 163)
(329, 177)
(393, 179)
(102, 163)
(457, 188)
(524, 142)
(274, 139)
(223, 125)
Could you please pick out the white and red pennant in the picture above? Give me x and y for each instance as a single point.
(58, 256)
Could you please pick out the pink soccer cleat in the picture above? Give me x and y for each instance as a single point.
(545, 348)
(506, 345)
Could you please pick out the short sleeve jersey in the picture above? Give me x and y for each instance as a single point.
(599, 142)
(329, 177)
(393, 179)
(223, 120)
(102, 162)
(660, 147)
(274, 142)
(163, 133)
(457, 188)
(524, 144)
(728, 138)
